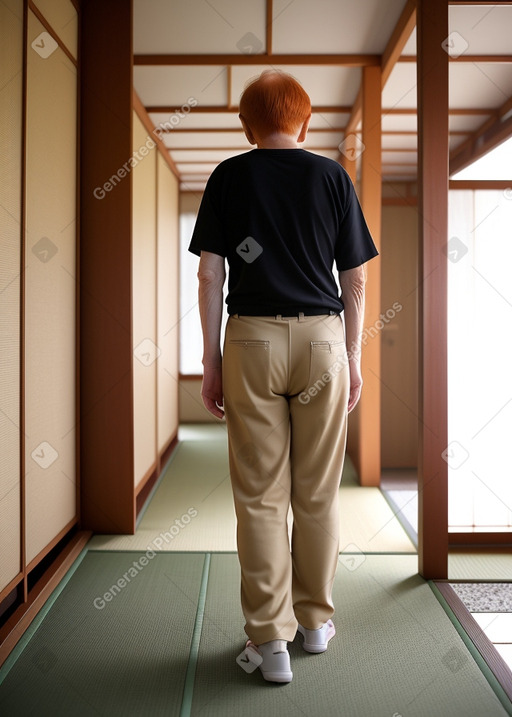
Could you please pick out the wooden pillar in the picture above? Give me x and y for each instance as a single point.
(106, 420)
(433, 155)
(368, 416)
(350, 166)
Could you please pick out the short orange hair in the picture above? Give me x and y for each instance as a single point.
(274, 102)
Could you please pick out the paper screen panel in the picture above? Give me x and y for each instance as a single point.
(62, 17)
(145, 347)
(50, 286)
(168, 310)
(11, 65)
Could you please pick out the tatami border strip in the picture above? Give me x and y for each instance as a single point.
(478, 644)
(188, 690)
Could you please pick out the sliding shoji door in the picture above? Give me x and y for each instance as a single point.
(11, 113)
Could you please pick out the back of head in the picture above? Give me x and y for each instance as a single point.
(275, 102)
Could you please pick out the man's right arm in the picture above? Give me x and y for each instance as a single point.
(352, 282)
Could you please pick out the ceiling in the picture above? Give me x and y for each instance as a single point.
(192, 59)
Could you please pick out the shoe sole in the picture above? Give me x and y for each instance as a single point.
(277, 676)
(316, 649)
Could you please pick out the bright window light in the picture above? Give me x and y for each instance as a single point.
(496, 164)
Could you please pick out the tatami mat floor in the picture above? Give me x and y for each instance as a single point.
(192, 507)
(165, 642)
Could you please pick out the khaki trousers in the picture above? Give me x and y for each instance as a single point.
(286, 388)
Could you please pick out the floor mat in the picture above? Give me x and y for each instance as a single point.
(395, 653)
(137, 634)
(115, 642)
(192, 508)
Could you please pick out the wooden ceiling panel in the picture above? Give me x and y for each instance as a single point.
(399, 123)
(198, 26)
(203, 52)
(484, 28)
(325, 85)
(333, 25)
(480, 85)
(399, 141)
(466, 123)
(197, 120)
(198, 140)
(328, 120)
(400, 90)
(163, 85)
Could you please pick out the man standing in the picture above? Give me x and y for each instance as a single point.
(290, 371)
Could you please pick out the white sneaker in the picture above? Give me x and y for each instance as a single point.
(317, 640)
(275, 666)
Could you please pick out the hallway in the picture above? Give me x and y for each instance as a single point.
(151, 623)
(119, 580)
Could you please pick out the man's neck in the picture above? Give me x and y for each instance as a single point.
(278, 141)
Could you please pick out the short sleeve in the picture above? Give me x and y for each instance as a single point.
(354, 245)
(208, 234)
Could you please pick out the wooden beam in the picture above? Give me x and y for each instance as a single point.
(369, 455)
(269, 15)
(340, 109)
(239, 130)
(454, 111)
(490, 134)
(480, 184)
(233, 109)
(340, 60)
(497, 59)
(399, 37)
(396, 44)
(141, 113)
(106, 355)
(433, 227)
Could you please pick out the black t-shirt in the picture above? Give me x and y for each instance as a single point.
(281, 218)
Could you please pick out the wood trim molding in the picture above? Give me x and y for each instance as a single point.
(390, 56)
(269, 18)
(234, 109)
(341, 60)
(146, 477)
(480, 541)
(489, 653)
(480, 184)
(11, 585)
(23, 238)
(48, 548)
(432, 76)
(142, 114)
(21, 619)
(401, 34)
(489, 135)
(481, 59)
(32, 6)
(106, 346)
(367, 449)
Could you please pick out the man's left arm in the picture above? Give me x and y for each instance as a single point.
(211, 275)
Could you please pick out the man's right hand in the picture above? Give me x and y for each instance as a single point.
(211, 390)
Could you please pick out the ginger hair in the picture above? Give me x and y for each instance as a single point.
(274, 102)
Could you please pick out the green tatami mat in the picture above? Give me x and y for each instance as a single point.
(192, 508)
(128, 656)
(165, 643)
(395, 653)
